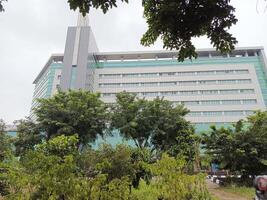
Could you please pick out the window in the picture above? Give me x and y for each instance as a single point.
(226, 81)
(242, 71)
(211, 102)
(167, 74)
(224, 72)
(209, 82)
(192, 92)
(249, 101)
(205, 73)
(130, 84)
(130, 75)
(194, 114)
(231, 102)
(170, 93)
(209, 92)
(247, 91)
(148, 74)
(167, 83)
(149, 84)
(191, 103)
(187, 82)
(109, 75)
(229, 91)
(150, 94)
(233, 113)
(244, 81)
(212, 113)
(185, 74)
(109, 85)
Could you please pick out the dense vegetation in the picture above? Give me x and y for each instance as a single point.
(52, 157)
(242, 149)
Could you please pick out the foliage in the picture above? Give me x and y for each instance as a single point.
(28, 135)
(238, 147)
(84, 6)
(116, 189)
(5, 153)
(5, 142)
(205, 161)
(170, 182)
(51, 171)
(60, 146)
(141, 158)
(145, 191)
(131, 118)
(176, 22)
(73, 112)
(155, 124)
(55, 171)
(1, 5)
(114, 162)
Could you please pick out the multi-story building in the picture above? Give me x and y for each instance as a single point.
(218, 89)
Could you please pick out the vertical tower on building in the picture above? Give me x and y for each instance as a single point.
(78, 55)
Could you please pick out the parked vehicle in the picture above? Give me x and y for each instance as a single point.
(260, 183)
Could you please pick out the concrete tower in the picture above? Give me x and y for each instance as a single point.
(80, 45)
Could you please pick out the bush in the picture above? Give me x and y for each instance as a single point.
(53, 172)
(170, 182)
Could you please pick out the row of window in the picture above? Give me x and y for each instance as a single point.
(220, 102)
(220, 113)
(173, 83)
(187, 93)
(167, 74)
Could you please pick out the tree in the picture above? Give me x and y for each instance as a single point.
(48, 172)
(5, 154)
(176, 22)
(155, 124)
(115, 162)
(170, 182)
(131, 117)
(1, 5)
(219, 144)
(51, 171)
(5, 142)
(241, 149)
(28, 136)
(73, 112)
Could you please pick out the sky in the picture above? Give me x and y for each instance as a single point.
(31, 30)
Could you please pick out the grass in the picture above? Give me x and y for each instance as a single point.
(247, 192)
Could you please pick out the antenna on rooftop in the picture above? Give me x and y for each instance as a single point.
(82, 20)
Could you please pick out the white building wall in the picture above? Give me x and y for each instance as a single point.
(203, 109)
